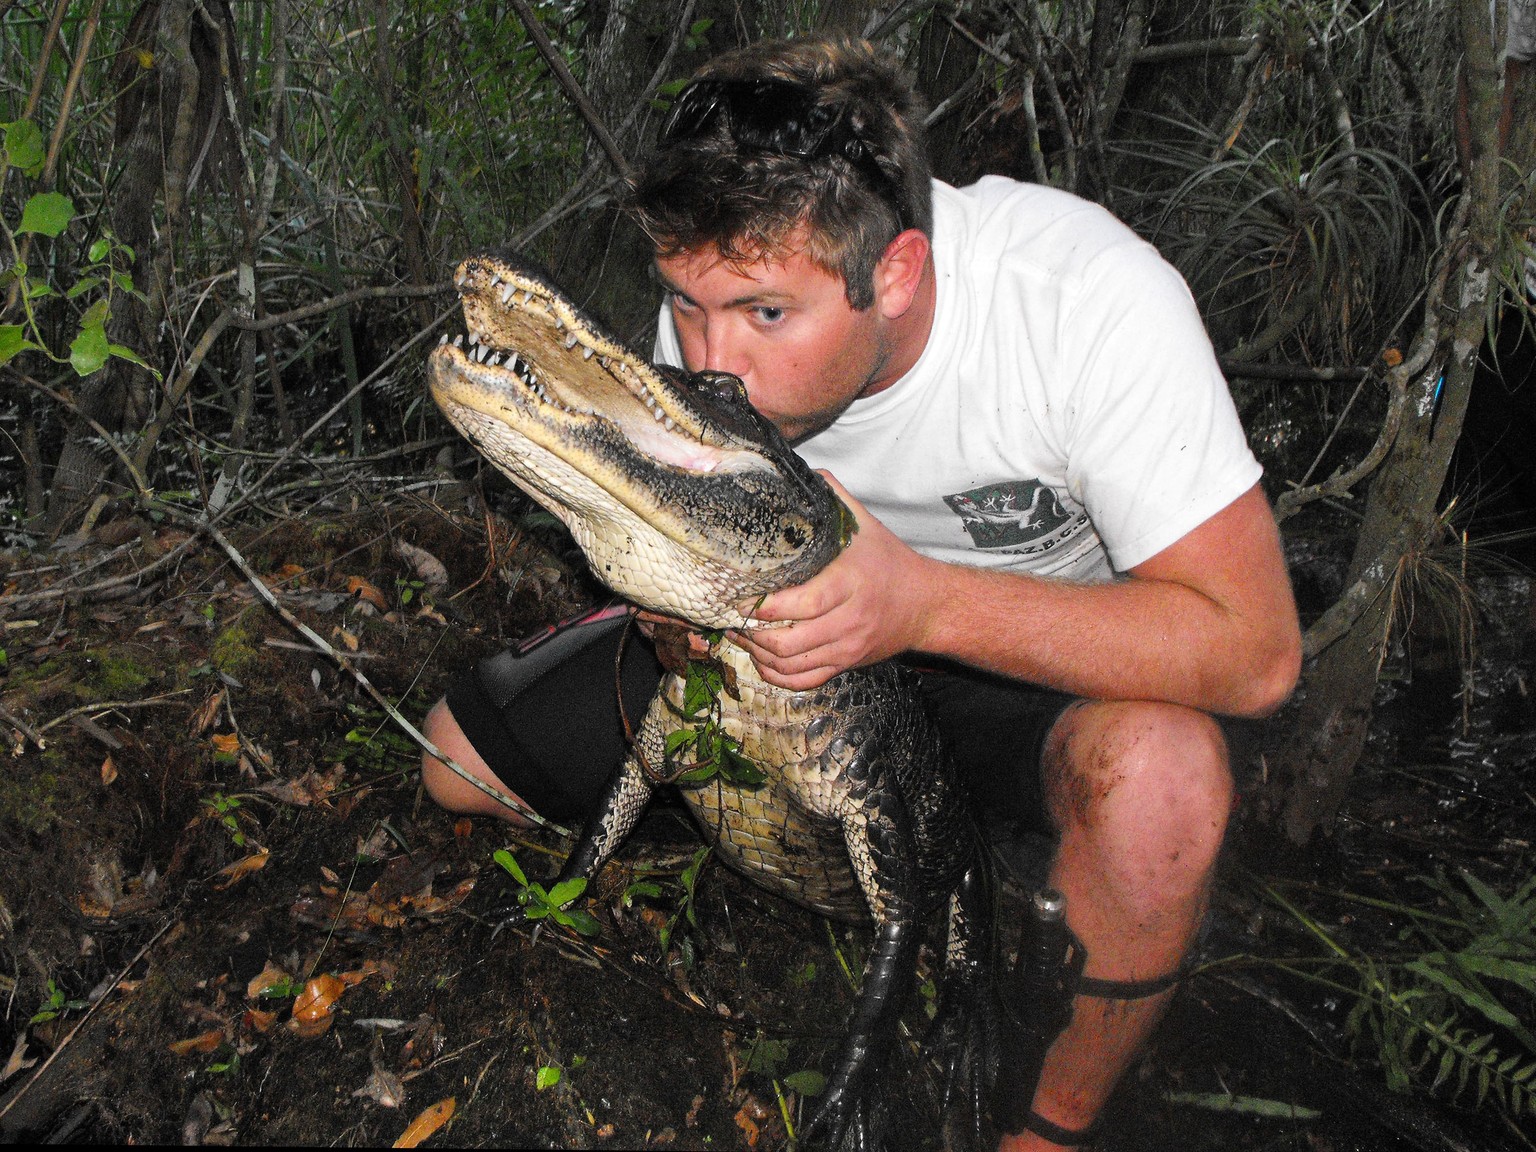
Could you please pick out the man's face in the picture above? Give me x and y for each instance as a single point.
(785, 327)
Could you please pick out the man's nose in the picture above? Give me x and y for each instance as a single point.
(724, 353)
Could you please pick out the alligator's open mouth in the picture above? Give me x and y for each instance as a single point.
(533, 361)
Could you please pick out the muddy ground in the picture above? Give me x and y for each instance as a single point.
(229, 915)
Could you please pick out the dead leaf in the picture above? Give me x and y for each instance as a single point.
(462, 827)
(359, 587)
(232, 874)
(348, 641)
(258, 1020)
(108, 771)
(203, 719)
(271, 976)
(427, 567)
(314, 1009)
(427, 1122)
(355, 977)
(318, 1000)
(204, 1043)
(227, 742)
(311, 788)
(18, 1061)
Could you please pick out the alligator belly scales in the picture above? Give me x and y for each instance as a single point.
(686, 501)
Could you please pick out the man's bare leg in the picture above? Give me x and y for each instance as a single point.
(1140, 794)
(447, 789)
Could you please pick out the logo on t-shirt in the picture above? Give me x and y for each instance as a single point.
(1020, 516)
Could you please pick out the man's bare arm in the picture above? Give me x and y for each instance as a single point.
(1209, 622)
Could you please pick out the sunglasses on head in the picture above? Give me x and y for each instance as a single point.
(778, 117)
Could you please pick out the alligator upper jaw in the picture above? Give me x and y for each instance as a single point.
(532, 361)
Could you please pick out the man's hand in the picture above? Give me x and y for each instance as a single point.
(866, 606)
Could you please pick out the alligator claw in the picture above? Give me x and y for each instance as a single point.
(848, 1119)
(964, 1041)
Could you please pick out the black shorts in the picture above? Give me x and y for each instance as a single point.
(548, 722)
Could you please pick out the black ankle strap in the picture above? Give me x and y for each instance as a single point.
(1126, 989)
(1056, 1134)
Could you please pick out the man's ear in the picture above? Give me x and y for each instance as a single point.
(899, 273)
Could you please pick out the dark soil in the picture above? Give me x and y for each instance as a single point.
(245, 808)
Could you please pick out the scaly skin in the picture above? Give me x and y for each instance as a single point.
(687, 502)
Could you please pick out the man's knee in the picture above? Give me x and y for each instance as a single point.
(1147, 780)
(448, 789)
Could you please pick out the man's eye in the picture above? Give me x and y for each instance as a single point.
(680, 303)
(769, 315)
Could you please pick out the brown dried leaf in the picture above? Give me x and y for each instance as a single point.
(362, 589)
(318, 1000)
(208, 712)
(258, 1020)
(269, 977)
(228, 742)
(108, 771)
(232, 874)
(203, 1043)
(426, 567)
(427, 1122)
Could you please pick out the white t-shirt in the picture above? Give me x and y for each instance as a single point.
(1067, 416)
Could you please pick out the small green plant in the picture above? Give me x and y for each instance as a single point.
(223, 809)
(56, 1005)
(48, 214)
(554, 904)
(407, 589)
(699, 749)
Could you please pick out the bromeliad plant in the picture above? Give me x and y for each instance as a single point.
(1452, 1010)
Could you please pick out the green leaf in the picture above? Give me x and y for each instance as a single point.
(1246, 1105)
(509, 862)
(47, 213)
(567, 890)
(807, 1082)
(583, 922)
(546, 1077)
(13, 342)
(89, 350)
(82, 286)
(24, 146)
(99, 249)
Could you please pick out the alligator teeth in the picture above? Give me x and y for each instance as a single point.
(586, 353)
(669, 423)
(460, 280)
(648, 400)
(508, 292)
(458, 341)
(559, 324)
(443, 339)
(570, 341)
(660, 415)
(494, 360)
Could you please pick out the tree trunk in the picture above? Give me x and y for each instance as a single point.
(163, 121)
(1328, 729)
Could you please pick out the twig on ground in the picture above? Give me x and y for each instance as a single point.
(342, 661)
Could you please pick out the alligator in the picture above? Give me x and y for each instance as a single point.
(689, 503)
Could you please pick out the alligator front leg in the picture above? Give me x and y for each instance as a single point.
(881, 846)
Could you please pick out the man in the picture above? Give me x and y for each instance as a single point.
(1056, 507)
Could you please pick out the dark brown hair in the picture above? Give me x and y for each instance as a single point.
(708, 191)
